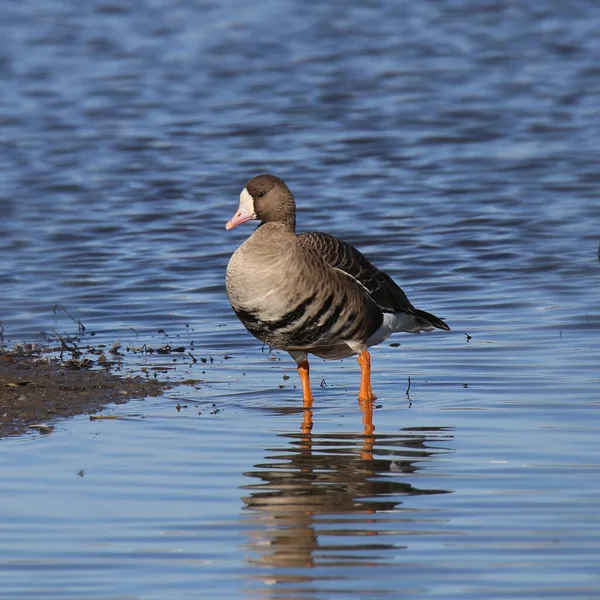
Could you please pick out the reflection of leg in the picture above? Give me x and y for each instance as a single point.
(366, 393)
(367, 410)
(307, 397)
(368, 443)
(307, 422)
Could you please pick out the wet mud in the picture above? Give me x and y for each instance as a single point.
(37, 389)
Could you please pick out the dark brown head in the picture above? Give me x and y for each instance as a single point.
(267, 199)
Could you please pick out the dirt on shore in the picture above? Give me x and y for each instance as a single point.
(36, 389)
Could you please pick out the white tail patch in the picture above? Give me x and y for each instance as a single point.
(395, 322)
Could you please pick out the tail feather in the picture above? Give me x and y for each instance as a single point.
(431, 320)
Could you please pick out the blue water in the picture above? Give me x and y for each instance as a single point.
(456, 145)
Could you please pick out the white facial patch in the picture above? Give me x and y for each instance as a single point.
(247, 203)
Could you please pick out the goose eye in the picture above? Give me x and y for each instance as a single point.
(260, 194)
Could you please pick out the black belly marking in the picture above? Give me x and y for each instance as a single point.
(252, 323)
(311, 332)
(332, 320)
(291, 316)
(312, 322)
(245, 316)
(270, 331)
(354, 326)
(291, 331)
(322, 311)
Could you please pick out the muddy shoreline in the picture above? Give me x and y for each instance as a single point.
(37, 389)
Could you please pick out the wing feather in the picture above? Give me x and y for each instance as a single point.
(380, 286)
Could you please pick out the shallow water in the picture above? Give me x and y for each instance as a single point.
(457, 146)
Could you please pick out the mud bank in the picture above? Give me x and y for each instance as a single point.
(36, 390)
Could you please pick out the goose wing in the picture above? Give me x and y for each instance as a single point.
(379, 285)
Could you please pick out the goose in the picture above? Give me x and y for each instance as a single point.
(311, 293)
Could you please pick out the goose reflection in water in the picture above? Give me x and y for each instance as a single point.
(335, 501)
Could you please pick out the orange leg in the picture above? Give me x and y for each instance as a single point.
(303, 371)
(365, 400)
(307, 397)
(366, 393)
